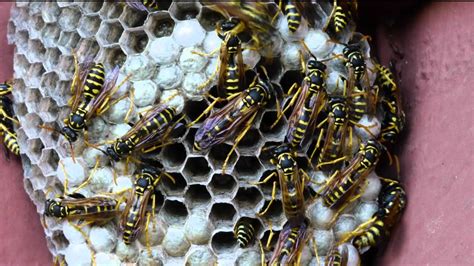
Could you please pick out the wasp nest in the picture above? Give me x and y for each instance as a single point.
(195, 216)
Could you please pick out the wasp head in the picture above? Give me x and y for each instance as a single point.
(69, 133)
(53, 208)
(314, 64)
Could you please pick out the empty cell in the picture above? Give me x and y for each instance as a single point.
(223, 242)
(159, 199)
(38, 196)
(88, 26)
(61, 93)
(189, 138)
(20, 109)
(36, 25)
(174, 212)
(289, 79)
(68, 41)
(87, 47)
(49, 137)
(193, 109)
(109, 32)
(132, 18)
(134, 41)
(34, 147)
(248, 198)
(218, 154)
(21, 42)
(184, 10)
(174, 155)
(52, 58)
(176, 188)
(222, 214)
(222, 184)
(197, 195)
(248, 167)
(35, 71)
(48, 162)
(66, 64)
(114, 57)
(91, 6)
(28, 186)
(21, 65)
(274, 68)
(267, 187)
(32, 99)
(160, 24)
(59, 240)
(69, 19)
(250, 142)
(208, 18)
(271, 130)
(111, 10)
(48, 82)
(50, 12)
(196, 169)
(273, 234)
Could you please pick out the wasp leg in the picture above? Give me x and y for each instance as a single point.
(89, 177)
(170, 177)
(330, 17)
(265, 180)
(147, 236)
(318, 166)
(237, 140)
(318, 143)
(206, 83)
(262, 258)
(356, 231)
(291, 103)
(315, 248)
(271, 201)
(270, 236)
(88, 241)
(341, 209)
(205, 112)
(207, 55)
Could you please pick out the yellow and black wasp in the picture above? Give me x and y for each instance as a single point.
(310, 101)
(343, 255)
(7, 130)
(6, 88)
(292, 180)
(290, 244)
(295, 11)
(236, 117)
(151, 132)
(393, 120)
(343, 11)
(133, 217)
(342, 185)
(244, 231)
(143, 5)
(391, 204)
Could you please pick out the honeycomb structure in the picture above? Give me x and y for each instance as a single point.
(195, 215)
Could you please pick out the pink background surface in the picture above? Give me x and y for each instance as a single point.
(437, 153)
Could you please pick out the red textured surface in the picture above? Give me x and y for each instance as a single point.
(22, 238)
(437, 154)
(436, 157)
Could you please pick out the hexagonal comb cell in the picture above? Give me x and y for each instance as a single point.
(173, 155)
(208, 18)
(92, 6)
(248, 167)
(48, 137)
(250, 142)
(218, 154)
(109, 32)
(32, 99)
(59, 240)
(69, 18)
(87, 47)
(170, 188)
(196, 169)
(132, 18)
(222, 184)
(193, 109)
(68, 41)
(111, 10)
(37, 24)
(50, 35)
(222, 214)
(48, 162)
(223, 242)
(34, 147)
(271, 130)
(34, 71)
(134, 42)
(174, 212)
(160, 24)
(113, 56)
(50, 12)
(248, 198)
(52, 58)
(275, 211)
(197, 195)
(184, 10)
(88, 25)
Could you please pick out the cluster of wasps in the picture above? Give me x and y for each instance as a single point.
(320, 128)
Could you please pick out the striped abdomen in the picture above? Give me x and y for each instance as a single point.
(293, 16)
(11, 142)
(340, 19)
(94, 82)
(359, 102)
(151, 4)
(371, 236)
(292, 187)
(244, 232)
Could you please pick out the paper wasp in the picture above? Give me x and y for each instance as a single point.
(10, 140)
(394, 118)
(310, 99)
(290, 244)
(392, 201)
(295, 11)
(133, 217)
(342, 255)
(291, 179)
(148, 134)
(343, 11)
(342, 185)
(236, 116)
(5, 88)
(231, 66)
(143, 5)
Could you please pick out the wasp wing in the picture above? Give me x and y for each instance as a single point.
(138, 5)
(99, 103)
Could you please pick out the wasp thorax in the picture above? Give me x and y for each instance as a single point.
(69, 133)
